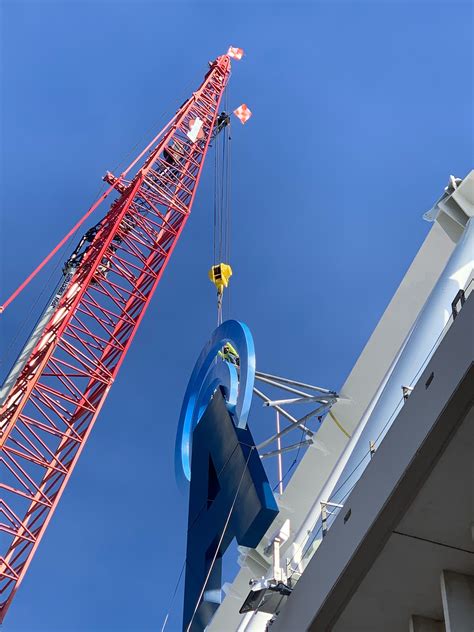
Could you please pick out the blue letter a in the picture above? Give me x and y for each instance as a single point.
(227, 478)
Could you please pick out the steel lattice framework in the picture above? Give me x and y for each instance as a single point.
(54, 402)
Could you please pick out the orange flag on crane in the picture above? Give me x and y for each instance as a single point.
(243, 113)
(235, 53)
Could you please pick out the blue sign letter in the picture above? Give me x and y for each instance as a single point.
(229, 497)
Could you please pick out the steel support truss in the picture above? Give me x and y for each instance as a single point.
(320, 400)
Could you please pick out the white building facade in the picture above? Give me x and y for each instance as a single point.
(376, 531)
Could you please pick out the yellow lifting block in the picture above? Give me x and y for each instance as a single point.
(220, 275)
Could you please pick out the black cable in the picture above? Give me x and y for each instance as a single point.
(293, 463)
(173, 596)
(229, 194)
(220, 539)
(285, 474)
(204, 506)
(215, 207)
(222, 244)
(443, 544)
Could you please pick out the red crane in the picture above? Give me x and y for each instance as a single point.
(56, 390)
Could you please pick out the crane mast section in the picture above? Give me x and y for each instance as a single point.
(52, 406)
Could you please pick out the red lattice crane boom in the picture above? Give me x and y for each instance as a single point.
(72, 359)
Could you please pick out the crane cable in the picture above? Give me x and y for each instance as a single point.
(220, 271)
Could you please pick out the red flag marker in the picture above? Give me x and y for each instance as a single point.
(235, 53)
(243, 113)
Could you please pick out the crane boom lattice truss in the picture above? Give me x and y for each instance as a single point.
(52, 406)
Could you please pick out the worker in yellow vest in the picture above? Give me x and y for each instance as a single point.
(229, 354)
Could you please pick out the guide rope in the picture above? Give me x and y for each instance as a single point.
(220, 540)
(199, 513)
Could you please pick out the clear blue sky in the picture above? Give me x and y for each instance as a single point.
(361, 112)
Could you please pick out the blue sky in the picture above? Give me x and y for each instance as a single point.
(361, 112)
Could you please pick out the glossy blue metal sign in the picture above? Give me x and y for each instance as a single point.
(230, 497)
(209, 373)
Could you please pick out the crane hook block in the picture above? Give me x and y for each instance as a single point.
(220, 275)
